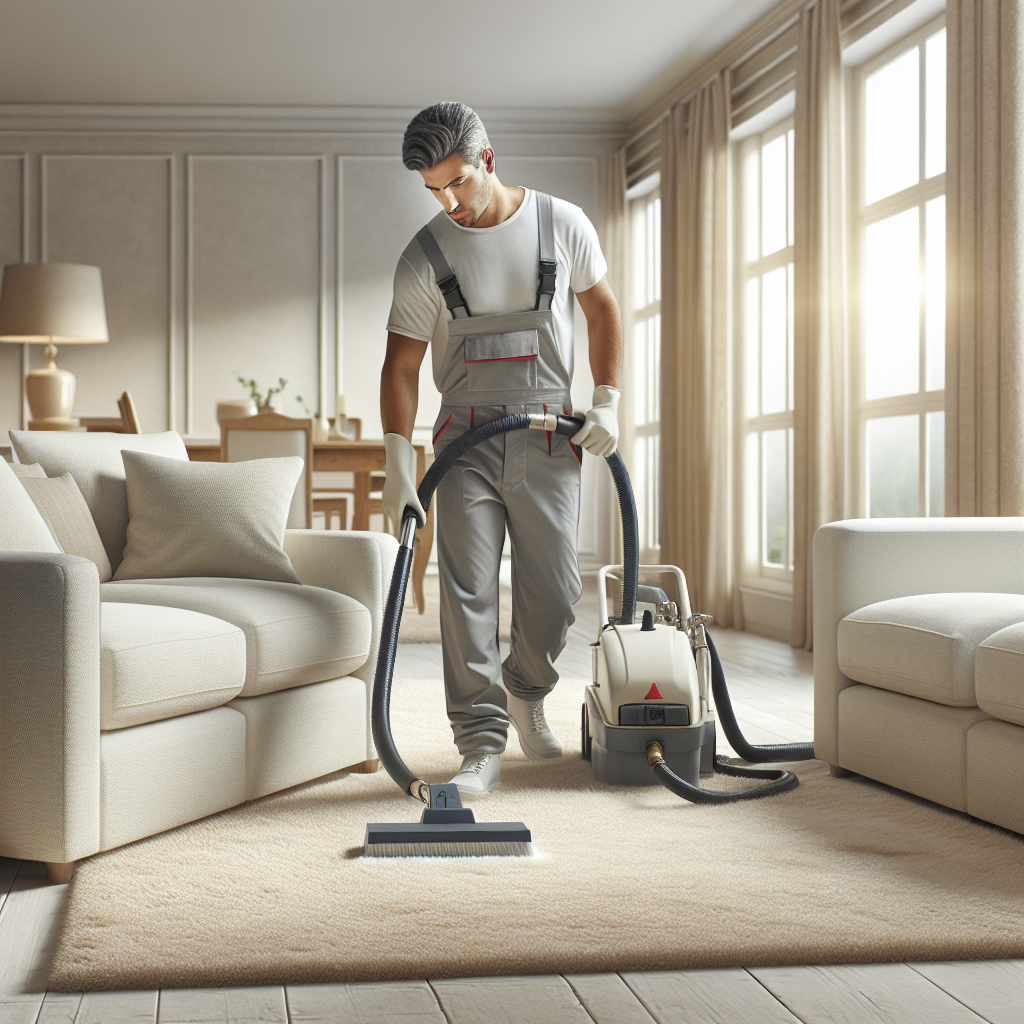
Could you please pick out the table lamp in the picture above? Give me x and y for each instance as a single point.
(46, 304)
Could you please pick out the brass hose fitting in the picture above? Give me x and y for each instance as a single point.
(655, 754)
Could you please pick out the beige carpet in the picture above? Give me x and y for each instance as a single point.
(839, 870)
(426, 628)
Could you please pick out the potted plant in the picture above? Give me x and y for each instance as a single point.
(256, 394)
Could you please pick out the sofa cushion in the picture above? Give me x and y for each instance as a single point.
(160, 662)
(916, 745)
(163, 774)
(924, 645)
(207, 518)
(995, 773)
(94, 460)
(293, 634)
(22, 528)
(999, 675)
(303, 733)
(62, 506)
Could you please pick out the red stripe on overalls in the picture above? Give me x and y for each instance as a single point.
(472, 416)
(578, 452)
(549, 432)
(441, 431)
(501, 359)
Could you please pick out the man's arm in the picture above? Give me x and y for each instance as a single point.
(604, 327)
(400, 384)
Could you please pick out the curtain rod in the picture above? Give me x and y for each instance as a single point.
(745, 45)
(748, 42)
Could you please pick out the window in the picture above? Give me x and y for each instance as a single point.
(764, 248)
(899, 241)
(642, 436)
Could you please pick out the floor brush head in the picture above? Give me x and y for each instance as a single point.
(448, 833)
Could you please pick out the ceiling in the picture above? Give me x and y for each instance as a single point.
(617, 56)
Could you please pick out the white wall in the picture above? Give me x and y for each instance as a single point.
(257, 242)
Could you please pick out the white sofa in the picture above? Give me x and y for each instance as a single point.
(132, 707)
(919, 658)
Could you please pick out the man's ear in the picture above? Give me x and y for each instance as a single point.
(487, 156)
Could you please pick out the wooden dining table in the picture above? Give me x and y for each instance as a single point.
(361, 458)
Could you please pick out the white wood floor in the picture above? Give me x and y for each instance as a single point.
(781, 711)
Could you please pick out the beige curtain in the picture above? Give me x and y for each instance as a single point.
(616, 227)
(616, 252)
(819, 336)
(985, 258)
(697, 516)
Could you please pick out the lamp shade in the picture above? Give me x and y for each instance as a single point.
(60, 303)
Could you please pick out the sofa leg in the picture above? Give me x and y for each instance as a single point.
(839, 773)
(59, 874)
(369, 767)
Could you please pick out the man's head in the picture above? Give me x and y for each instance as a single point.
(447, 144)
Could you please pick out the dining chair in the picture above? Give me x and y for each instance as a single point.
(330, 503)
(129, 415)
(126, 422)
(364, 490)
(270, 435)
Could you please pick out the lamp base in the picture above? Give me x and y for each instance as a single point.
(51, 393)
(72, 423)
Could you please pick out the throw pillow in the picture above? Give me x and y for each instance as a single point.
(94, 460)
(22, 528)
(32, 472)
(61, 504)
(207, 518)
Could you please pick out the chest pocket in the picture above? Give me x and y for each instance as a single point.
(502, 362)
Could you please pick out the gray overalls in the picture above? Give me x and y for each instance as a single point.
(527, 481)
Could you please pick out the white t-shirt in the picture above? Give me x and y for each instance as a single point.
(498, 269)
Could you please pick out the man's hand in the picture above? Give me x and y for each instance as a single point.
(600, 431)
(400, 482)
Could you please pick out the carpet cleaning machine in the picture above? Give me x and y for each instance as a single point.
(649, 716)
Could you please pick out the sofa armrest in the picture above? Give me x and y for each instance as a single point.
(353, 562)
(860, 561)
(49, 706)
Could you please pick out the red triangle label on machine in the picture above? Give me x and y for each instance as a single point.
(654, 693)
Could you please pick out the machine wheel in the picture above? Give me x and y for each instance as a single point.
(585, 740)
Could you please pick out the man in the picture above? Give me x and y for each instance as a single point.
(488, 284)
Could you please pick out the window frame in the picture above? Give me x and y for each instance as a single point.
(639, 199)
(860, 216)
(755, 572)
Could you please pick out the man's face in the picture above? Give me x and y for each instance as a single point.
(462, 189)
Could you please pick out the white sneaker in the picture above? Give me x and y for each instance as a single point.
(479, 773)
(536, 739)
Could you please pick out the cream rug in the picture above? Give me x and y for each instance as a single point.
(836, 871)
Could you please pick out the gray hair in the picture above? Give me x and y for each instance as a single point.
(438, 131)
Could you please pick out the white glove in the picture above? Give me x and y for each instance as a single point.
(600, 431)
(400, 480)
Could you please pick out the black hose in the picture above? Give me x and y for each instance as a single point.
(630, 537)
(380, 704)
(777, 781)
(766, 754)
(454, 450)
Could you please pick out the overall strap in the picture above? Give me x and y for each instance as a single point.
(548, 264)
(446, 279)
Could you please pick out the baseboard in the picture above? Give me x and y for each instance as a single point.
(768, 615)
